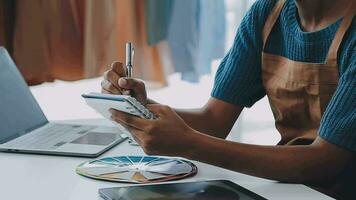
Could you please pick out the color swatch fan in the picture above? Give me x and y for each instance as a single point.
(137, 169)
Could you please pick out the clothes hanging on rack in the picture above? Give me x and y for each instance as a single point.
(32, 37)
(100, 33)
(196, 36)
(71, 40)
(61, 40)
(212, 30)
(183, 36)
(74, 39)
(157, 19)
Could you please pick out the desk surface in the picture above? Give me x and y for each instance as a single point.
(39, 177)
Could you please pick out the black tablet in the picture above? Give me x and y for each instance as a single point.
(202, 190)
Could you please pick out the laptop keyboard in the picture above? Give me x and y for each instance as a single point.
(50, 136)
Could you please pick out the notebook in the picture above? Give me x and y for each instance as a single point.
(103, 102)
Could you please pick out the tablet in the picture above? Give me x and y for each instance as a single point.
(202, 190)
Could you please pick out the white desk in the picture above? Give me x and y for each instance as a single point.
(39, 177)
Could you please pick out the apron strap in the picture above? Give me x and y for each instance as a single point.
(345, 24)
(271, 20)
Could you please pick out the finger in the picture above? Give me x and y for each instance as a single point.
(135, 133)
(108, 86)
(123, 84)
(158, 109)
(131, 84)
(128, 119)
(118, 67)
(105, 91)
(112, 77)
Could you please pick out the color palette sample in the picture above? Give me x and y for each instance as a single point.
(137, 169)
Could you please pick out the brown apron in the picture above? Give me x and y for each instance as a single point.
(299, 92)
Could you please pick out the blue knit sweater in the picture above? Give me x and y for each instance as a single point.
(238, 79)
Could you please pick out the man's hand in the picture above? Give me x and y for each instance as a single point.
(115, 82)
(167, 135)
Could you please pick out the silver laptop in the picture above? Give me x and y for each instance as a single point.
(24, 127)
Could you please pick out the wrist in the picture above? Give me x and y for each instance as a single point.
(195, 142)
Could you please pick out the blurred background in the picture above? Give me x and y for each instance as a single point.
(62, 47)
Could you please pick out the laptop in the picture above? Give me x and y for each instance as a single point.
(24, 127)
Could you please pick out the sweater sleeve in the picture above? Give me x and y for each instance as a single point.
(238, 79)
(338, 124)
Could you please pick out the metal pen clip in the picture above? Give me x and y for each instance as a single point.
(129, 59)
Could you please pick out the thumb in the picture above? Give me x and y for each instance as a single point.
(131, 84)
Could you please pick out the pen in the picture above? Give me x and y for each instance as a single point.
(129, 59)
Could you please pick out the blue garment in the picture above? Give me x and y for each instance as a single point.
(196, 36)
(183, 34)
(157, 19)
(239, 81)
(211, 34)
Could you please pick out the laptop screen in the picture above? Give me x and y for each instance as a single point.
(19, 111)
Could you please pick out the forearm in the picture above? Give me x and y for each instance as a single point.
(298, 164)
(216, 118)
(195, 118)
(202, 121)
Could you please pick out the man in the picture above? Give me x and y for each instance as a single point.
(301, 54)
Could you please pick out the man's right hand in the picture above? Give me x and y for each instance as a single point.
(115, 82)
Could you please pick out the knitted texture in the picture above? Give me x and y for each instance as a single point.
(239, 81)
